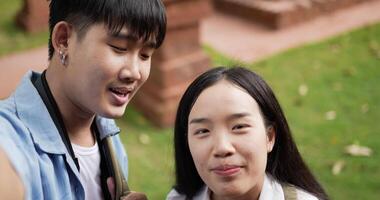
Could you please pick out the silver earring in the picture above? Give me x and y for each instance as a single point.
(63, 57)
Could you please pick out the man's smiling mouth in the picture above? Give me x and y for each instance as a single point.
(120, 91)
(121, 95)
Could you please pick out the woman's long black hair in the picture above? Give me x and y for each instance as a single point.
(284, 163)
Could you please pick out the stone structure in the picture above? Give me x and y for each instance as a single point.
(34, 15)
(279, 14)
(178, 61)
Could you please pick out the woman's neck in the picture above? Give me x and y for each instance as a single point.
(252, 194)
(246, 196)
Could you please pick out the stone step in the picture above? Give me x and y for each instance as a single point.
(278, 14)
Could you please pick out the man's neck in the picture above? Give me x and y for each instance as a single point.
(77, 120)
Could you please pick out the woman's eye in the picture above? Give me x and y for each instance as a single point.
(200, 131)
(240, 126)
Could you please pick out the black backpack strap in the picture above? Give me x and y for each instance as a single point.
(43, 89)
(106, 170)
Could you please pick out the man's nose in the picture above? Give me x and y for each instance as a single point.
(223, 145)
(131, 69)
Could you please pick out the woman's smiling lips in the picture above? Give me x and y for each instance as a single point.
(226, 170)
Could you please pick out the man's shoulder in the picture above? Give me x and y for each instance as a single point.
(8, 114)
(12, 128)
(7, 105)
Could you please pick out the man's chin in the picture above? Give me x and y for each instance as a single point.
(114, 113)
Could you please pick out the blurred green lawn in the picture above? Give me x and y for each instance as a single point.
(12, 39)
(341, 75)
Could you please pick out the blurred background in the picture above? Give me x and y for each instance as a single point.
(321, 57)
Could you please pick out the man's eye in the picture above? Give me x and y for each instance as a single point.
(145, 56)
(119, 49)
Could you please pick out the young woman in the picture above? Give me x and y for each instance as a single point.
(232, 141)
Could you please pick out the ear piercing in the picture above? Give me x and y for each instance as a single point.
(62, 57)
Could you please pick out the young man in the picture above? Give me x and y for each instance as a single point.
(53, 125)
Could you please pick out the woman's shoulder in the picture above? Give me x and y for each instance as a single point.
(174, 195)
(304, 195)
(289, 191)
(292, 192)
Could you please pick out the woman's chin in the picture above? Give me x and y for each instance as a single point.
(231, 191)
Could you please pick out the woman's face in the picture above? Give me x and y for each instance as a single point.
(229, 142)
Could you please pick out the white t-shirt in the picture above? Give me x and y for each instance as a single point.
(272, 190)
(89, 164)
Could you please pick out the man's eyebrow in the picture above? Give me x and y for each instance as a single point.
(123, 36)
(129, 37)
(199, 120)
(151, 44)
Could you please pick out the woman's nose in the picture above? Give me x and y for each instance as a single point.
(223, 146)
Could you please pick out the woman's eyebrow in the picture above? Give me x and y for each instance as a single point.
(199, 120)
(238, 115)
(230, 117)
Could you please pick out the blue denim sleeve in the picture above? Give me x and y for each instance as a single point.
(10, 145)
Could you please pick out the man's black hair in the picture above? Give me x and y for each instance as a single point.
(143, 18)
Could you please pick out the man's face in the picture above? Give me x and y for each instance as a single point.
(104, 71)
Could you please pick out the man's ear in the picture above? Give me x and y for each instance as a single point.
(60, 36)
(271, 138)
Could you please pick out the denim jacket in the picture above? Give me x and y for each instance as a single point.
(36, 151)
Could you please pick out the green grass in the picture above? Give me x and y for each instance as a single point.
(12, 38)
(342, 75)
(150, 163)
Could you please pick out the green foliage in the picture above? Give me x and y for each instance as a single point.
(12, 38)
(341, 76)
(149, 149)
